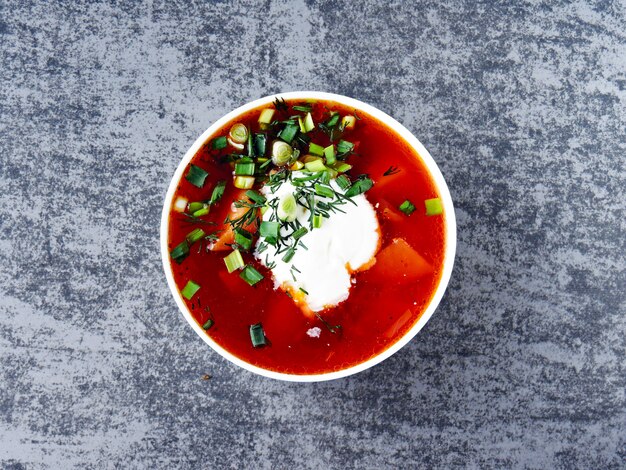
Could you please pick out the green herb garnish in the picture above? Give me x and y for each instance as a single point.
(260, 144)
(243, 238)
(190, 290)
(359, 187)
(343, 181)
(234, 261)
(392, 170)
(289, 255)
(433, 206)
(324, 191)
(244, 169)
(218, 192)
(257, 336)
(280, 105)
(344, 147)
(305, 108)
(316, 150)
(407, 207)
(256, 197)
(195, 235)
(251, 275)
(302, 231)
(196, 176)
(288, 133)
(180, 252)
(219, 143)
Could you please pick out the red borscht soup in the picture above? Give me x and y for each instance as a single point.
(306, 237)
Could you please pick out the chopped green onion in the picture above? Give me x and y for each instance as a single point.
(204, 211)
(325, 178)
(257, 336)
(207, 324)
(190, 290)
(348, 122)
(256, 197)
(244, 169)
(243, 238)
(315, 149)
(407, 207)
(196, 176)
(306, 123)
(305, 108)
(195, 206)
(324, 191)
(329, 153)
(303, 139)
(297, 165)
(234, 261)
(281, 152)
(315, 165)
(311, 200)
(260, 143)
(244, 182)
(195, 235)
(288, 133)
(269, 229)
(342, 167)
(343, 181)
(310, 177)
(180, 252)
(433, 206)
(359, 187)
(251, 275)
(344, 147)
(219, 143)
(317, 221)
(265, 118)
(218, 192)
(250, 146)
(302, 289)
(334, 119)
(289, 255)
(265, 162)
(302, 231)
(238, 133)
(287, 208)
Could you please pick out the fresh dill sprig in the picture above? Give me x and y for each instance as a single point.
(392, 170)
(332, 329)
(280, 105)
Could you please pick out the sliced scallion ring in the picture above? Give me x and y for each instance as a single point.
(238, 133)
(287, 208)
(281, 152)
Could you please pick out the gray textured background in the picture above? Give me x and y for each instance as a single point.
(523, 107)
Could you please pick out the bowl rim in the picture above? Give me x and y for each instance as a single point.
(450, 236)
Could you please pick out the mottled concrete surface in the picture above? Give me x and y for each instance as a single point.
(524, 108)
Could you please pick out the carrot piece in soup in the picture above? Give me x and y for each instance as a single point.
(399, 324)
(400, 261)
(227, 236)
(389, 212)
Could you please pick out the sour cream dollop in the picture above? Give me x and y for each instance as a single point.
(320, 276)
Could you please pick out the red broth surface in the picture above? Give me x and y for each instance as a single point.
(382, 304)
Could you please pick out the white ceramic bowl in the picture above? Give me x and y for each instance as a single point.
(450, 225)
